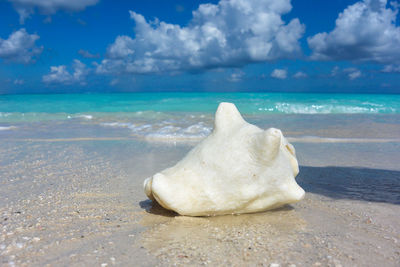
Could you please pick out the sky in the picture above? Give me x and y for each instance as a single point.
(73, 46)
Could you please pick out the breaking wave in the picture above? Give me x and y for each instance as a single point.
(6, 128)
(300, 108)
(165, 130)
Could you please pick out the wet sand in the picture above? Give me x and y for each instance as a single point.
(80, 202)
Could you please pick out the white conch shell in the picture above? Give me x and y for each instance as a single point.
(238, 168)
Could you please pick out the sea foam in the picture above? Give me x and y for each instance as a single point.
(5, 128)
(328, 108)
(168, 130)
(80, 116)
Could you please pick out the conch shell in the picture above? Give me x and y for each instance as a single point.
(238, 168)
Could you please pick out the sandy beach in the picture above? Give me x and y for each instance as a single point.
(76, 199)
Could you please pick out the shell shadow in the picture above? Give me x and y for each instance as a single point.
(155, 208)
(353, 183)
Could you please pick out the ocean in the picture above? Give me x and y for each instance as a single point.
(178, 117)
(249, 103)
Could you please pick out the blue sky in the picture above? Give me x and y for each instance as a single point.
(69, 46)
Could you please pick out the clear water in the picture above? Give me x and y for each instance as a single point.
(289, 103)
(182, 116)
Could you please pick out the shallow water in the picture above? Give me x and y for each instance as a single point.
(192, 127)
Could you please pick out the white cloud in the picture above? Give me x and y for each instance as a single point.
(231, 33)
(365, 31)
(391, 68)
(236, 76)
(60, 74)
(335, 71)
(279, 74)
(20, 47)
(114, 82)
(87, 54)
(300, 74)
(27, 7)
(81, 22)
(353, 73)
(19, 82)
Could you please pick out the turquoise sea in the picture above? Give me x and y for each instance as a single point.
(189, 116)
(288, 103)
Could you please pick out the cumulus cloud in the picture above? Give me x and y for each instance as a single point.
(60, 74)
(391, 68)
(20, 47)
(19, 82)
(25, 8)
(87, 54)
(335, 71)
(236, 76)
(81, 22)
(231, 33)
(114, 82)
(299, 75)
(352, 73)
(279, 74)
(365, 31)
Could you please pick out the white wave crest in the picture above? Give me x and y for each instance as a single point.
(296, 108)
(80, 116)
(4, 114)
(6, 128)
(165, 131)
